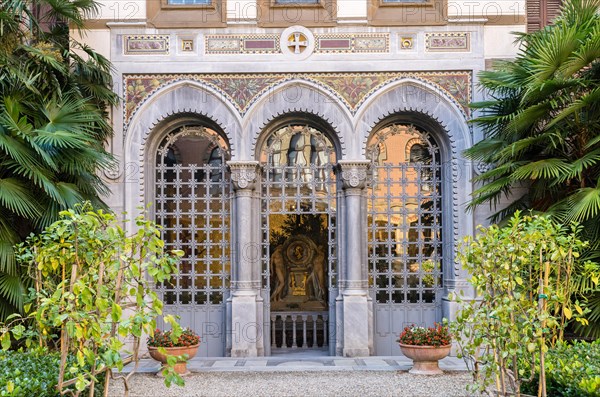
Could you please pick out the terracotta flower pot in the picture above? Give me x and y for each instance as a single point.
(425, 358)
(181, 366)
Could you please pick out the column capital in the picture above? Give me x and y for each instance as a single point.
(353, 173)
(244, 174)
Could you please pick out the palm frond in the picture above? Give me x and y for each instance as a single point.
(582, 205)
(11, 289)
(15, 195)
(542, 169)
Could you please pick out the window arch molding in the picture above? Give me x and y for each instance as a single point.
(158, 134)
(298, 119)
(422, 122)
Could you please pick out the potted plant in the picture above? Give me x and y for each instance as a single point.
(182, 344)
(425, 346)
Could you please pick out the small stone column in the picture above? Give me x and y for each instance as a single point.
(246, 312)
(354, 313)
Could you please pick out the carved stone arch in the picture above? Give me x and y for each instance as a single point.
(182, 125)
(299, 97)
(186, 97)
(178, 104)
(414, 102)
(410, 96)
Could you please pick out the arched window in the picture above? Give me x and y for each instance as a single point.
(296, 148)
(192, 206)
(405, 218)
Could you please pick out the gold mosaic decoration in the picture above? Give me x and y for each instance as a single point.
(242, 90)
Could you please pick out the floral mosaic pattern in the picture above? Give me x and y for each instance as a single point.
(457, 85)
(352, 88)
(349, 43)
(450, 41)
(146, 44)
(242, 44)
(243, 90)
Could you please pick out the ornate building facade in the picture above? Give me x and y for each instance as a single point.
(305, 156)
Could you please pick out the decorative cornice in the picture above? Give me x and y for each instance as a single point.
(353, 173)
(244, 174)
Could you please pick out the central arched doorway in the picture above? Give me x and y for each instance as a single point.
(298, 227)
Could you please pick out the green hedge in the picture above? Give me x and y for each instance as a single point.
(571, 370)
(30, 373)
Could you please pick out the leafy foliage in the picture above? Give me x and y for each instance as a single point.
(30, 373)
(542, 128)
(88, 272)
(571, 370)
(522, 275)
(54, 93)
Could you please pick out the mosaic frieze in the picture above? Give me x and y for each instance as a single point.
(243, 90)
(146, 44)
(352, 43)
(448, 41)
(242, 44)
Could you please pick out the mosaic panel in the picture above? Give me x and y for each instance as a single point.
(450, 41)
(406, 43)
(146, 44)
(187, 45)
(352, 43)
(242, 44)
(243, 90)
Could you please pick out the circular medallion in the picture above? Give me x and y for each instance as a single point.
(297, 42)
(299, 251)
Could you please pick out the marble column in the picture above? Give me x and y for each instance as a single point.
(353, 308)
(245, 320)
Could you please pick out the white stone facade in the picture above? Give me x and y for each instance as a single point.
(351, 78)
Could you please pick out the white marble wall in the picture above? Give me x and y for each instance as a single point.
(137, 138)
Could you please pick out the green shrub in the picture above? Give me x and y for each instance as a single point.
(28, 373)
(571, 370)
(524, 275)
(32, 373)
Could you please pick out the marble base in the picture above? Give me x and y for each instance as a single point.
(246, 326)
(355, 312)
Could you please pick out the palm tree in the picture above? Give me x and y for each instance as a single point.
(541, 127)
(52, 125)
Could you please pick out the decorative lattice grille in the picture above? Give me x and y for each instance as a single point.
(405, 217)
(298, 193)
(193, 207)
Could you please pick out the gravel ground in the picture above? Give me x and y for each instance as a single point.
(326, 383)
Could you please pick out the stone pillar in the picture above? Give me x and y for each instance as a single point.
(354, 314)
(246, 309)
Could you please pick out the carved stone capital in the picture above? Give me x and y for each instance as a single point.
(244, 174)
(353, 173)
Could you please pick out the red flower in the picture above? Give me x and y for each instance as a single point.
(163, 339)
(438, 335)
